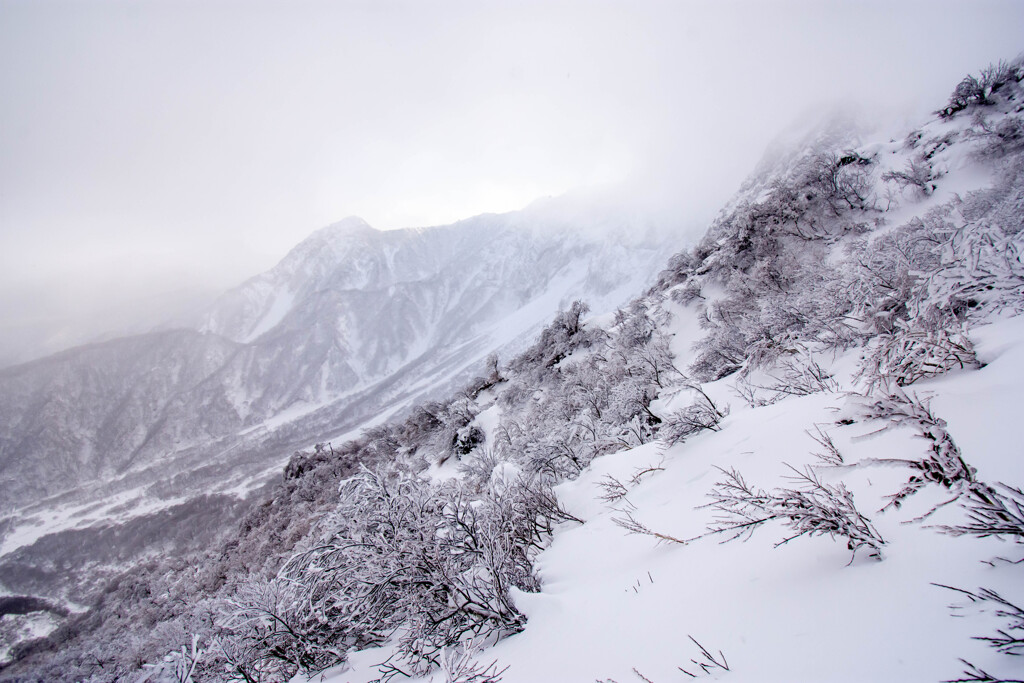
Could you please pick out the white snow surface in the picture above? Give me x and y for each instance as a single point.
(278, 310)
(620, 607)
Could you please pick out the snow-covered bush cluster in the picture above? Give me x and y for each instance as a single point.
(981, 88)
(394, 556)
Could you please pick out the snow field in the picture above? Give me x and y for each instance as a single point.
(623, 607)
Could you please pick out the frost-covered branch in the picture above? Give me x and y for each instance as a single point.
(814, 509)
(992, 512)
(703, 414)
(1007, 640)
(631, 525)
(974, 674)
(831, 455)
(707, 663)
(944, 465)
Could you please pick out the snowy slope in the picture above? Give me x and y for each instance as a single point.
(620, 606)
(655, 582)
(795, 612)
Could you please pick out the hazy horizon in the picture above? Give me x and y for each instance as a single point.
(162, 147)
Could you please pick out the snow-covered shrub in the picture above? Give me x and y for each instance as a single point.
(478, 468)
(596, 401)
(454, 435)
(258, 637)
(703, 414)
(999, 139)
(466, 439)
(177, 667)
(772, 261)
(917, 174)
(459, 665)
(686, 293)
(1007, 640)
(982, 260)
(979, 89)
(907, 355)
(557, 340)
(889, 268)
(397, 554)
(814, 509)
(944, 465)
(798, 374)
(492, 376)
(968, 91)
(641, 348)
(844, 181)
(995, 76)
(993, 512)
(722, 350)
(769, 321)
(559, 455)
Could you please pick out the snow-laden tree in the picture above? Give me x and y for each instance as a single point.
(397, 559)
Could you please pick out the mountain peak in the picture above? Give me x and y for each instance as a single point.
(351, 224)
(346, 227)
(329, 244)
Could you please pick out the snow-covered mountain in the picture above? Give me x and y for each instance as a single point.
(847, 334)
(353, 322)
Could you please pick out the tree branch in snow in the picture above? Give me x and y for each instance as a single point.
(1008, 640)
(796, 375)
(631, 525)
(612, 490)
(973, 674)
(830, 456)
(992, 513)
(814, 509)
(707, 663)
(641, 472)
(459, 665)
(702, 414)
(944, 465)
(906, 356)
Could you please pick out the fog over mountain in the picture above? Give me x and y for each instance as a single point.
(152, 154)
(358, 342)
(353, 322)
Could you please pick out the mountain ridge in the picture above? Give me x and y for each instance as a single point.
(342, 311)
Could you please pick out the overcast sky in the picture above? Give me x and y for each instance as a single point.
(143, 143)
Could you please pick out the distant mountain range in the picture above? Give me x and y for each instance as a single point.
(351, 324)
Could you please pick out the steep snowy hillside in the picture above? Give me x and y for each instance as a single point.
(855, 317)
(638, 589)
(831, 375)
